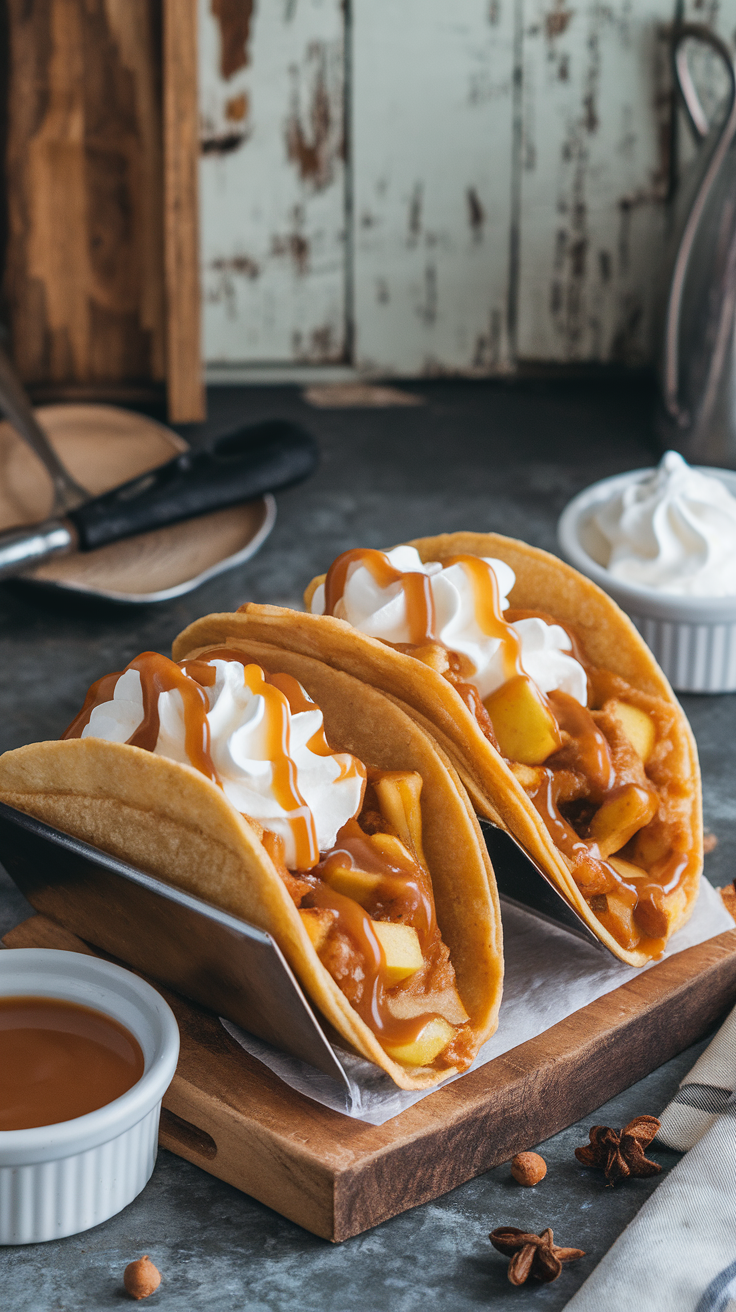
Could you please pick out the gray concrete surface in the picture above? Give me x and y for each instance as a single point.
(474, 456)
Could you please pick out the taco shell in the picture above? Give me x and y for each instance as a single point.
(610, 643)
(170, 820)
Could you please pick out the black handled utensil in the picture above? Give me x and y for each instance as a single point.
(262, 458)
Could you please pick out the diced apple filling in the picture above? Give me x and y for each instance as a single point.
(525, 728)
(626, 869)
(360, 885)
(620, 816)
(528, 734)
(435, 1036)
(615, 910)
(401, 948)
(531, 777)
(658, 915)
(398, 794)
(392, 848)
(637, 725)
(656, 912)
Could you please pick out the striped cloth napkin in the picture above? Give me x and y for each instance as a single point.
(704, 1094)
(679, 1252)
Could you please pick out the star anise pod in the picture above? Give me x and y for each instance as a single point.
(532, 1255)
(621, 1153)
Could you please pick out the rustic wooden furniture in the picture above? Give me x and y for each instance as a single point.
(101, 280)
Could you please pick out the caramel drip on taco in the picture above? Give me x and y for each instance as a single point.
(344, 843)
(159, 674)
(415, 586)
(554, 712)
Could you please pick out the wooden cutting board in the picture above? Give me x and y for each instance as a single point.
(337, 1177)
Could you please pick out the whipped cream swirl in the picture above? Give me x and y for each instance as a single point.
(673, 530)
(381, 612)
(328, 789)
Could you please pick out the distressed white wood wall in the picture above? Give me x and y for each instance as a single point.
(504, 197)
(272, 181)
(593, 175)
(432, 146)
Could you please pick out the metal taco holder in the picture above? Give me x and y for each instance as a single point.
(523, 883)
(232, 968)
(226, 965)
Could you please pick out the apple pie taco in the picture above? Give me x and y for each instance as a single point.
(309, 804)
(551, 707)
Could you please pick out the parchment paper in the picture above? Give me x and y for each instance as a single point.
(549, 975)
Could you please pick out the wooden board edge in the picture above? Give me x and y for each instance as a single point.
(289, 1181)
(569, 1082)
(184, 379)
(359, 1195)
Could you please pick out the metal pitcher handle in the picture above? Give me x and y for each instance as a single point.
(700, 126)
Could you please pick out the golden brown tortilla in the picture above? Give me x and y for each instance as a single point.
(171, 821)
(610, 642)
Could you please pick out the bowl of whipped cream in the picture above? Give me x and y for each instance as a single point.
(662, 543)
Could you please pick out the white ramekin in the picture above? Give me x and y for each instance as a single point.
(693, 638)
(57, 1180)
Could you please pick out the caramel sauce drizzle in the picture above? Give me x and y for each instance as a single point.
(563, 835)
(299, 701)
(594, 876)
(158, 675)
(297, 698)
(587, 751)
(668, 873)
(420, 612)
(372, 1005)
(284, 783)
(488, 613)
(417, 589)
(282, 695)
(100, 691)
(514, 613)
(405, 888)
(403, 894)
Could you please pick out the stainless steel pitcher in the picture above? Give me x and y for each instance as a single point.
(697, 415)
